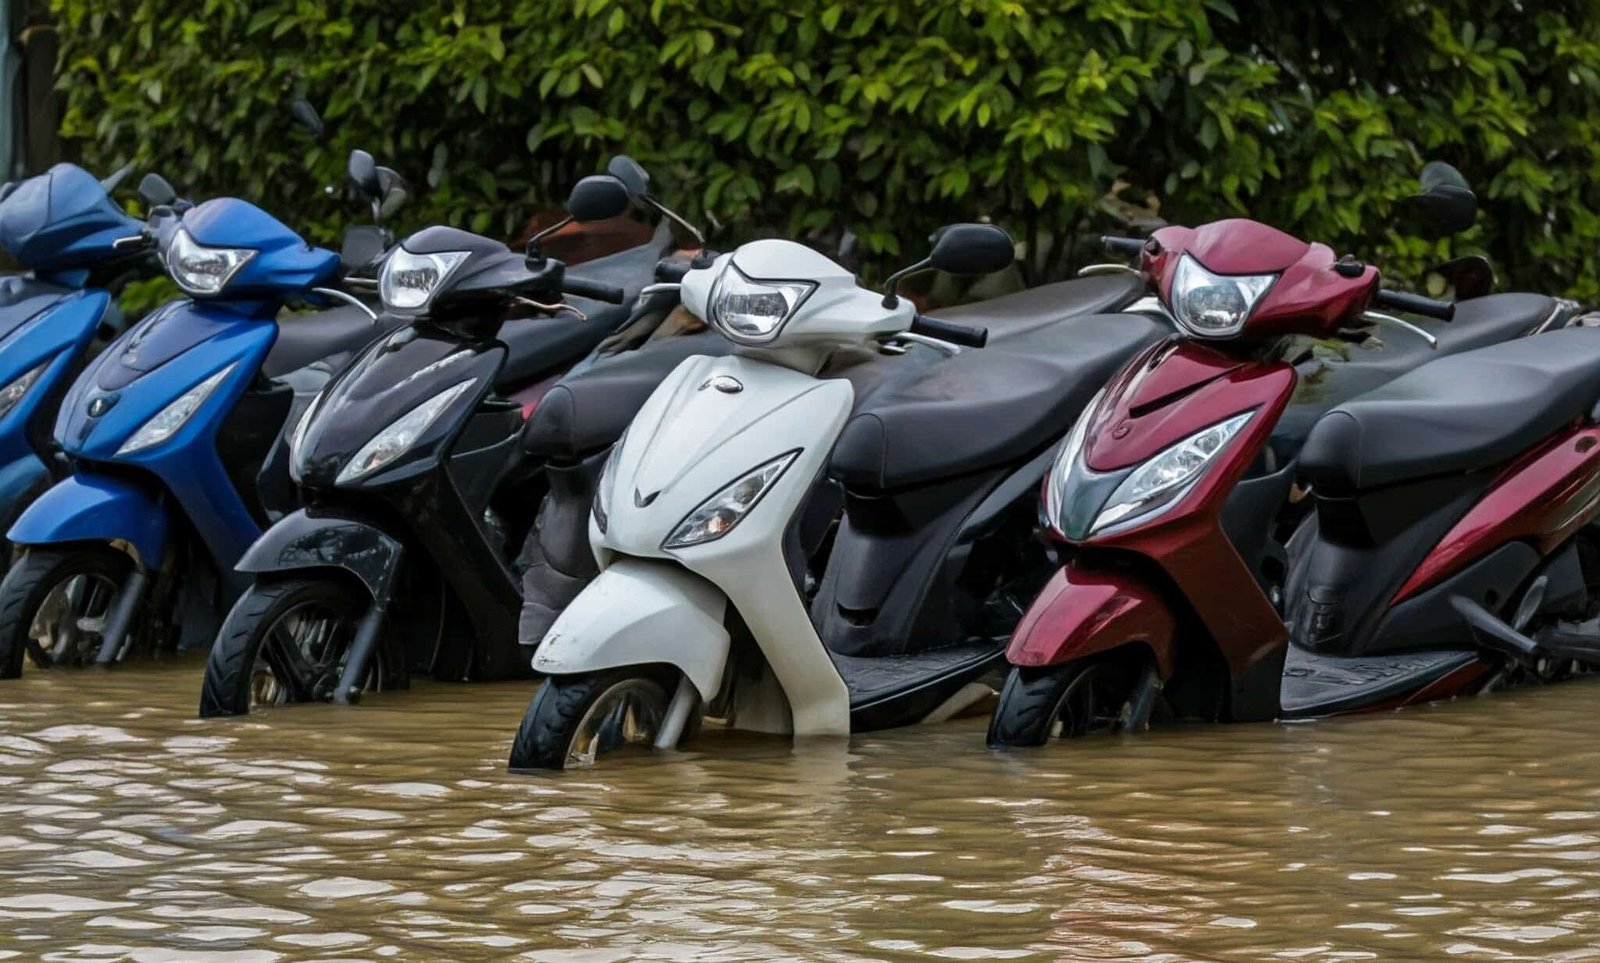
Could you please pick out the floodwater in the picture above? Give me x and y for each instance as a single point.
(131, 830)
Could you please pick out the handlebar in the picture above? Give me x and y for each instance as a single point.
(963, 334)
(594, 290)
(1415, 304)
(1123, 246)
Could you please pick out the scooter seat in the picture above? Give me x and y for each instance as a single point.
(1458, 414)
(1016, 314)
(986, 407)
(588, 410)
(331, 336)
(1478, 323)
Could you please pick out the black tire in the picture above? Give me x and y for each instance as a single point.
(31, 582)
(1068, 700)
(234, 680)
(560, 713)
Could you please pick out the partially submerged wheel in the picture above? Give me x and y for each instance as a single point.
(54, 604)
(284, 642)
(1066, 701)
(575, 719)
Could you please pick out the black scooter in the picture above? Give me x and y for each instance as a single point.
(414, 484)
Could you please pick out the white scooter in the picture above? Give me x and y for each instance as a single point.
(697, 506)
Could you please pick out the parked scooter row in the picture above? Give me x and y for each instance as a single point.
(809, 508)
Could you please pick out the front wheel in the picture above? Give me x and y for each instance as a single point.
(54, 603)
(573, 719)
(1065, 701)
(285, 642)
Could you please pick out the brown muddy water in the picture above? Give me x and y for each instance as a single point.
(131, 830)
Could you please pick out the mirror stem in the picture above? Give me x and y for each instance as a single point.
(676, 219)
(533, 242)
(891, 296)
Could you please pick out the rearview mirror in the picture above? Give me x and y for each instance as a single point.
(307, 117)
(632, 175)
(391, 191)
(972, 249)
(1446, 205)
(597, 198)
(1461, 279)
(156, 192)
(363, 173)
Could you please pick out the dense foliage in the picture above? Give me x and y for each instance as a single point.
(1057, 118)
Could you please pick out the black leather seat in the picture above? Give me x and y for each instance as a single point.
(986, 407)
(588, 410)
(1478, 323)
(1027, 311)
(320, 336)
(1459, 414)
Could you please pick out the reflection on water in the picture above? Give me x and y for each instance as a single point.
(131, 830)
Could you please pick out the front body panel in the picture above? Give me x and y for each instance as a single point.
(96, 421)
(689, 441)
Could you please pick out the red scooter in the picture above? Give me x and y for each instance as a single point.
(1177, 503)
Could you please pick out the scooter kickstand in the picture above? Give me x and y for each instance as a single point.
(1493, 630)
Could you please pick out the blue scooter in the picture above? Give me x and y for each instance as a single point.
(78, 248)
(167, 432)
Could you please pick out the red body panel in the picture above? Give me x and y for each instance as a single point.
(1082, 613)
(1186, 540)
(1542, 498)
(1309, 296)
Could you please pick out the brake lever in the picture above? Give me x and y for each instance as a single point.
(550, 308)
(1093, 270)
(1377, 317)
(132, 240)
(347, 298)
(927, 342)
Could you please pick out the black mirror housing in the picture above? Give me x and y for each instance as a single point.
(363, 173)
(972, 249)
(156, 192)
(307, 117)
(598, 197)
(632, 175)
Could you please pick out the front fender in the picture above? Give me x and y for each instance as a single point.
(1082, 613)
(641, 612)
(306, 539)
(86, 507)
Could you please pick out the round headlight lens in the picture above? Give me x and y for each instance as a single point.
(409, 281)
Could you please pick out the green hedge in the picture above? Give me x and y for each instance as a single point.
(885, 117)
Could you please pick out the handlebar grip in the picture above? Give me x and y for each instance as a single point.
(594, 290)
(1123, 246)
(963, 334)
(1415, 304)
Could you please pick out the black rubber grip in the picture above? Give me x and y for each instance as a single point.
(594, 290)
(1123, 246)
(1415, 304)
(963, 334)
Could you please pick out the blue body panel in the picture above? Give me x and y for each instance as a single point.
(99, 508)
(40, 326)
(62, 219)
(151, 367)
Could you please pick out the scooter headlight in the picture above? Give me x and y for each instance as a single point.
(14, 392)
(402, 433)
(409, 281)
(602, 488)
(750, 311)
(1060, 477)
(717, 515)
(1165, 478)
(203, 270)
(168, 420)
(1215, 305)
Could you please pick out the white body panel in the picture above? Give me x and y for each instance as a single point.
(711, 422)
(636, 606)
